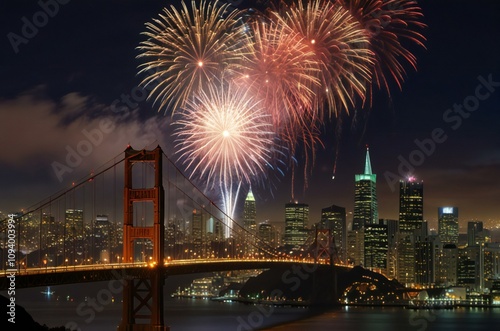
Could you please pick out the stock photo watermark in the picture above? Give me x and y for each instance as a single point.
(94, 137)
(89, 309)
(421, 317)
(30, 27)
(294, 278)
(11, 268)
(74, 157)
(381, 19)
(453, 118)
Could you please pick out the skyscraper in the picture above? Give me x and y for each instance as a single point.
(356, 247)
(448, 225)
(392, 233)
(197, 232)
(249, 222)
(365, 197)
(474, 229)
(426, 250)
(102, 236)
(268, 234)
(466, 268)
(74, 234)
(448, 266)
(375, 247)
(74, 224)
(492, 261)
(249, 213)
(411, 217)
(334, 218)
(296, 221)
(49, 228)
(411, 205)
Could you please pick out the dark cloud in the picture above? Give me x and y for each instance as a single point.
(43, 149)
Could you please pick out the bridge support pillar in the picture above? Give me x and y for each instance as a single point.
(325, 291)
(143, 297)
(143, 300)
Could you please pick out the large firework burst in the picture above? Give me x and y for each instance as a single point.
(280, 71)
(186, 49)
(390, 24)
(340, 46)
(224, 137)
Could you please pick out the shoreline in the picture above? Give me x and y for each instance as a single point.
(319, 306)
(305, 304)
(323, 319)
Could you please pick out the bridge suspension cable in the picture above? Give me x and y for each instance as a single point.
(256, 242)
(73, 227)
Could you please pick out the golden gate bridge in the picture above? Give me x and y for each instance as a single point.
(140, 219)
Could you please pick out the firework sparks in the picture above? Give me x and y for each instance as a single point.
(186, 49)
(224, 134)
(389, 24)
(225, 138)
(340, 47)
(280, 71)
(240, 86)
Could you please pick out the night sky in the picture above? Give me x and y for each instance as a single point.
(63, 78)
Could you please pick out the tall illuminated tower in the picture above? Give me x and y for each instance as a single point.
(411, 220)
(102, 235)
(365, 197)
(197, 231)
(375, 246)
(74, 235)
(249, 213)
(411, 204)
(448, 225)
(74, 223)
(296, 221)
(249, 223)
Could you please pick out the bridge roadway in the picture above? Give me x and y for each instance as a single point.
(49, 276)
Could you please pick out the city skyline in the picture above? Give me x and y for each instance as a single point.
(49, 106)
(345, 150)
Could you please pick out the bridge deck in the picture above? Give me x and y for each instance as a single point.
(33, 277)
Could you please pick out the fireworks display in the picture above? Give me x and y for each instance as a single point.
(225, 137)
(186, 49)
(223, 134)
(340, 47)
(243, 82)
(389, 24)
(281, 72)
